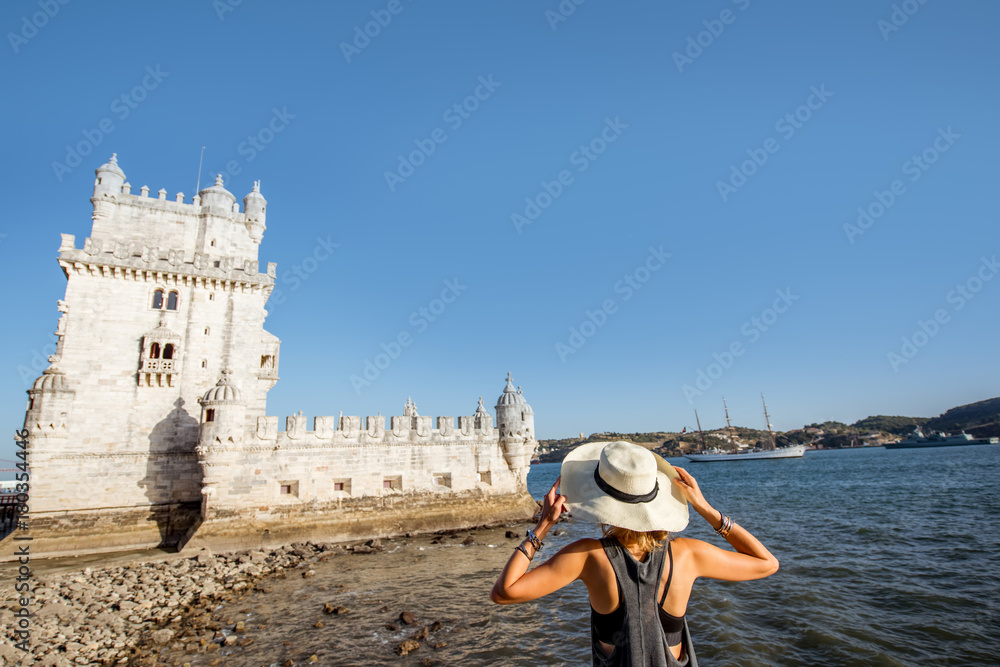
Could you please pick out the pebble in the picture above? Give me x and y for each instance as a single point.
(407, 617)
(407, 647)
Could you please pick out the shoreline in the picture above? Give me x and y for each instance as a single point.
(147, 604)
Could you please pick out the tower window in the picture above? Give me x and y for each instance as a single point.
(172, 301)
(210, 415)
(154, 351)
(213, 245)
(211, 297)
(204, 363)
(208, 330)
(168, 351)
(158, 299)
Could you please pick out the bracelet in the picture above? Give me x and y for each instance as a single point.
(520, 547)
(535, 542)
(725, 526)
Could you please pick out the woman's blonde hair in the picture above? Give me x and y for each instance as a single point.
(647, 542)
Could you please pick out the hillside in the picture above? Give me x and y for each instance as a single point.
(980, 419)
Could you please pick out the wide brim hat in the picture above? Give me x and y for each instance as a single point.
(623, 484)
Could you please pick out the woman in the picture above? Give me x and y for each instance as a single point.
(638, 588)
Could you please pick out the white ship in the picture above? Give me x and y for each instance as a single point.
(768, 451)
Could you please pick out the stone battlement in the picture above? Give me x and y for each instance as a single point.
(350, 432)
(161, 262)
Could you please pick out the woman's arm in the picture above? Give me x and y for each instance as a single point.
(752, 560)
(516, 584)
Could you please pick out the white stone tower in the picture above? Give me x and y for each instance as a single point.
(160, 299)
(516, 426)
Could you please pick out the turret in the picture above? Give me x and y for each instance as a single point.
(255, 208)
(218, 197)
(108, 182)
(223, 423)
(516, 424)
(109, 179)
(49, 401)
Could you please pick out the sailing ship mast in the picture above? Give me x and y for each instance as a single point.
(700, 434)
(732, 438)
(770, 430)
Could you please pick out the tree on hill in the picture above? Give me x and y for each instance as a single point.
(981, 413)
(887, 424)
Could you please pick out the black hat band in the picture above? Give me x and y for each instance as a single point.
(630, 498)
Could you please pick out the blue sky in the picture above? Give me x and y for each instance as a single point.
(742, 158)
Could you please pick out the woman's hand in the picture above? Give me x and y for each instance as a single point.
(689, 487)
(553, 505)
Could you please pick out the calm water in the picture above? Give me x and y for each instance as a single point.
(887, 558)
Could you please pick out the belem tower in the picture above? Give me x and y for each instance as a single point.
(150, 427)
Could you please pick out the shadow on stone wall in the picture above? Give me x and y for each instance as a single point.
(173, 477)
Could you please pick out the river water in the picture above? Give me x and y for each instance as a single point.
(887, 558)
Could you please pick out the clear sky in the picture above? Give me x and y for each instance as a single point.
(681, 171)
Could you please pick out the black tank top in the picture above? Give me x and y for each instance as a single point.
(638, 634)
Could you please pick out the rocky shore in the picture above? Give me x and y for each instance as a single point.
(131, 613)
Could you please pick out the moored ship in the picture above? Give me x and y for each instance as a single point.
(917, 439)
(768, 450)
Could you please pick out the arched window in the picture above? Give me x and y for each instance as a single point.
(158, 299)
(168, 351)
(172, 301)
(154, 351)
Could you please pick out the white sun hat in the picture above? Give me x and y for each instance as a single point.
(623, 484)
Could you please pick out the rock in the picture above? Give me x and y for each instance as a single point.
(558, 532)
(407, 647)
(391, 627)
(429, 662)
(422, 633)
(436, 625)
(318, 624)
(229, 641)
(308, 573)
(440, 644)
(162, 636)
(384, 608)
(328, 608)
(362, 549)
(246, 641)
(313, 658)
(374, 544)
(467, 541)
(511, 535)
(239, 627)
(407, 617)
(340, 610)
(288, 663)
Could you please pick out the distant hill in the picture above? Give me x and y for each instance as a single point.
(980, 419)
